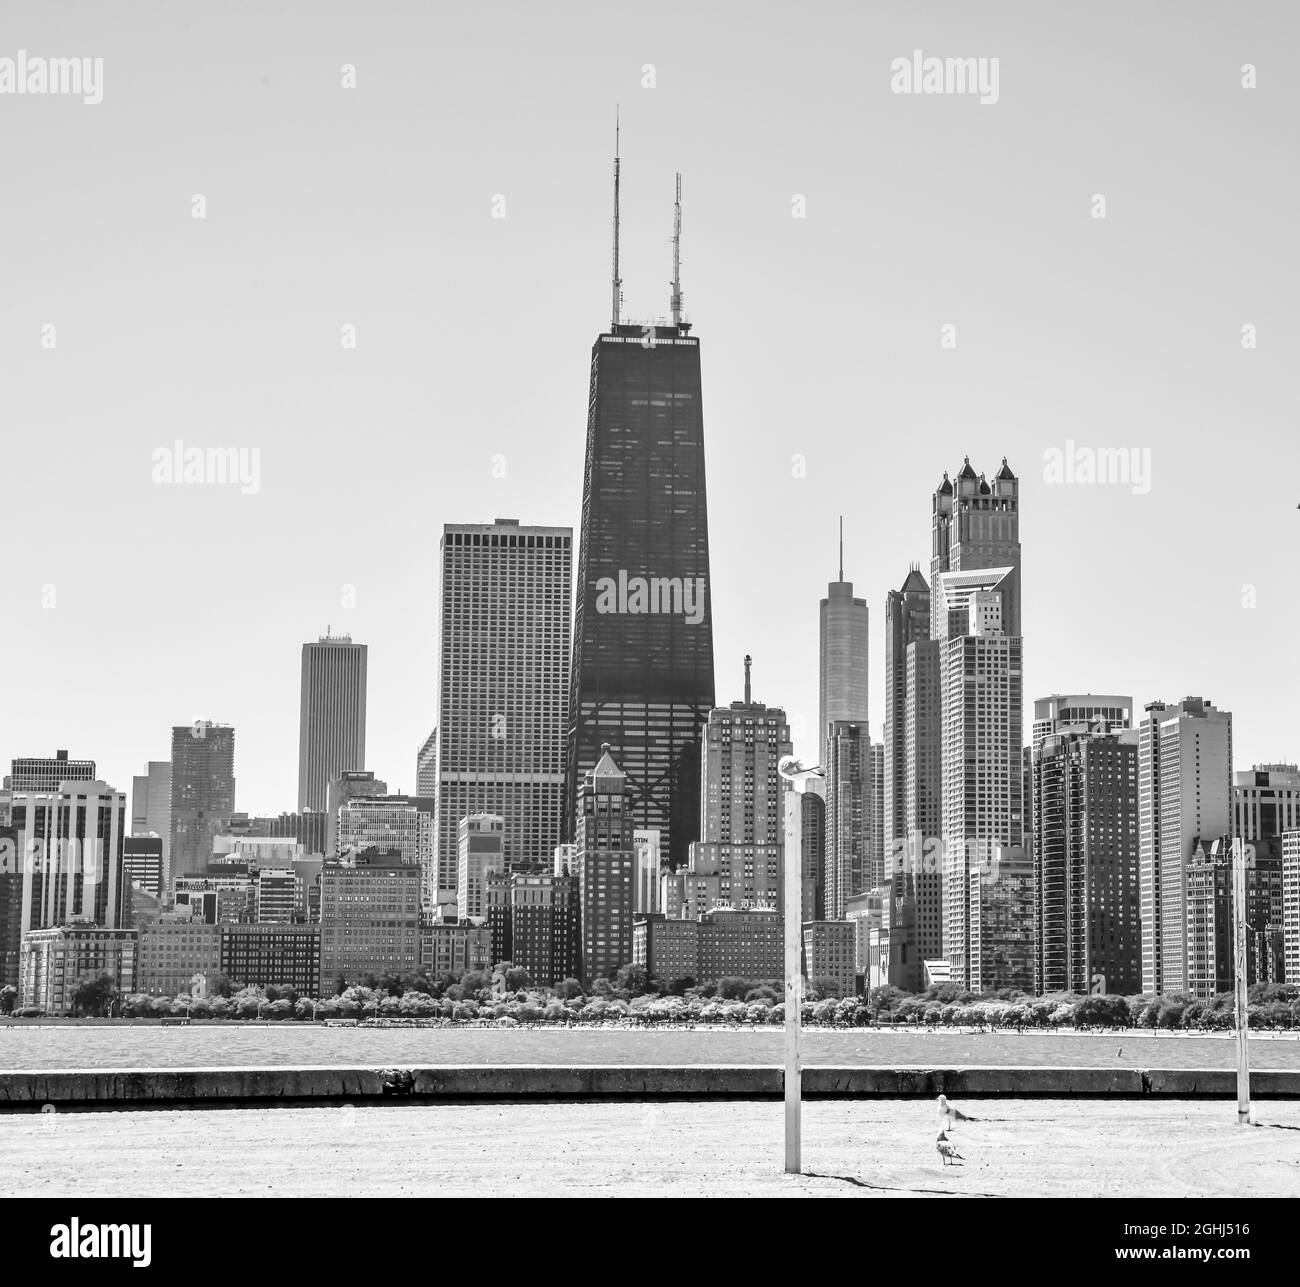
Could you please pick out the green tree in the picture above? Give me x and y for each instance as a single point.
(8, 998)
(733, 988)
(93, 993)
(567, 989)
(517, 979)
(633, 979)
(679, 987)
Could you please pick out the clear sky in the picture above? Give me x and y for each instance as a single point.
(133, 605)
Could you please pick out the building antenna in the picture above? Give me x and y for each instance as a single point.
(676, 300)
(618, 281)
(749, 661)
(841, 547)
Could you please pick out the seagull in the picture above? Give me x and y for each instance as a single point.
(950, 1116)
(946, 1150)
(793, 770)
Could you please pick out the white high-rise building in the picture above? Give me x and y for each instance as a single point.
(1184, 802)
(390, 822)
(503, 692)
(1291, 902)
(480, 849)
(645, 870)
(332, 716)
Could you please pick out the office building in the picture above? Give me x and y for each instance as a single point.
(843, 658)
(503, 659)
(370, 919)
(11, 907)
(454, 947)
(726, 942)
(41, 774)
(74, 837)
(1085, 857)
(604, 868)
(480, 848)
(218, 896)
(351, 784)
(848, 815)
(54, 961)
(142, 863)
(392, 822)
(278, 896)
(1291, 903)
(332, 716)
(645, 844)
(1001, 922)
(643, 626)
(151, 805)
(1184, 796)
(202, 792)
(805, 836)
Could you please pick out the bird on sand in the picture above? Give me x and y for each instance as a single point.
(950, 1116)
(946, 1150)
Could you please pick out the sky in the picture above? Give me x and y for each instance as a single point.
(450, 199)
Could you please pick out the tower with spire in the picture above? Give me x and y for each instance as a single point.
(642, 675)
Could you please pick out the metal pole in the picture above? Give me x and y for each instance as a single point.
(1239, 961)
(793, 914)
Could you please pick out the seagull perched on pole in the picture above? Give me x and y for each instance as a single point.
(946, 1150)
(950, 1116)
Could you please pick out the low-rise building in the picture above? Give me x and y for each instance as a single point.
(54, 961)
(455, 947)
(830, 953)
(284, 954)
(370, 919)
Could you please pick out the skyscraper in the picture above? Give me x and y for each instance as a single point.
(1085, 857)
(332, 718)
(426, 766)
(907, 622)
(46, 772)
(202, 792)
(151, 804)
(1184, 798)
(1080, 713)
(480, 845)
(503, 686)
(848, 812)
(982, 750)
(738, 859)
(1265, 806)
(643, 624)
(604, 865)
(70, 840)
(843, 668)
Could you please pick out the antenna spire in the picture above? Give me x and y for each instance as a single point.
(675, 301)
(749, 661)
(618, 281)
(841, 547)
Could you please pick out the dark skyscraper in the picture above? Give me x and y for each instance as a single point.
(203, 792)
(642, 675)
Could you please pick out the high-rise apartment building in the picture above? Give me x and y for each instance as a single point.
(643, 629)
(544, 927)
(1079, 713)
(645, 841)
(480, 848)
(202, 791)
(1184, 797)
(1291, 903)
(142, 863)
(982, 755)
(1265, 806)
(739, 857)
(848, 814)
(907, 622)
(1085, 856)
(402, 824)
(332, 716)
(805, 840)
(503, 685)
(351, 784)
(604, 868)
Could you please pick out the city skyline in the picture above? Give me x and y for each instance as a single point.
(1073, 333)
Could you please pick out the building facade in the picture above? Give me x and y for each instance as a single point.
(54, 961)
(370, 920)
(544, 927)
(830, 956)
(332, 716)
(504, 648)
(480, 848)
(173, 954)
(202, 792)
(605, 870)
(151, 805)
(642, 679)
(282, 954)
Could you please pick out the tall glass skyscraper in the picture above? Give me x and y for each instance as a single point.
(643, 630)
(203, 792)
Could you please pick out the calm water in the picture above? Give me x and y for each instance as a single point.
(24, 1046)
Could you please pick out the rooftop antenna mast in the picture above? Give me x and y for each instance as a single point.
(841, 547)
(618, 281)
(676, 300)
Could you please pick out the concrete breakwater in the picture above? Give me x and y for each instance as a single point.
(32, 1089)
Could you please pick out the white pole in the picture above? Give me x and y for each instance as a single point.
(1239, 960)
(793, 913)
